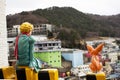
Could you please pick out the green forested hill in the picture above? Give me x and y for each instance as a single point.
(71, 23)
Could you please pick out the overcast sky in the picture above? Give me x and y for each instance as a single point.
(101, 7)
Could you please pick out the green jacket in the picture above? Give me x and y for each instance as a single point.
(25, 53)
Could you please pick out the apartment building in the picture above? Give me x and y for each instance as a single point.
(49, 51)
(39, 29)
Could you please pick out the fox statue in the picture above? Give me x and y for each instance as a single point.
(95, 64)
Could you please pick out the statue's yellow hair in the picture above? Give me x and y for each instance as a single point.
(26, 27)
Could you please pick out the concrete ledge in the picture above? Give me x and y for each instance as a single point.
(96, 76)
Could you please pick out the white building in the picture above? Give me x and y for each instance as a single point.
(12, 32)
(3, 36)
(38, 29)
(47, 45)
(81, 70)
(110, 47)
(113, 56)
(104, 40)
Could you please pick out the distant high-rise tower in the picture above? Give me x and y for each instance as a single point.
(3, 36)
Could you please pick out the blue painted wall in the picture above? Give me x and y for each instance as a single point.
(76, 57)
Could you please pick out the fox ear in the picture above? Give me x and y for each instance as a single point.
(90, 48)
(99, 47)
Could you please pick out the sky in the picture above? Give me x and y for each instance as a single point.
(100, 7)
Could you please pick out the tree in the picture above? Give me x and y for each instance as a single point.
(49, 34)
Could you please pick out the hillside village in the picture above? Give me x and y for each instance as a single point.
(70, 21)
(69, 60)
(61, 35)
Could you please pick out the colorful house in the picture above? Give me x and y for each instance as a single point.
(74, 55)
(49, 51)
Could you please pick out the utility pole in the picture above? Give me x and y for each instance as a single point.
(3, 36)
